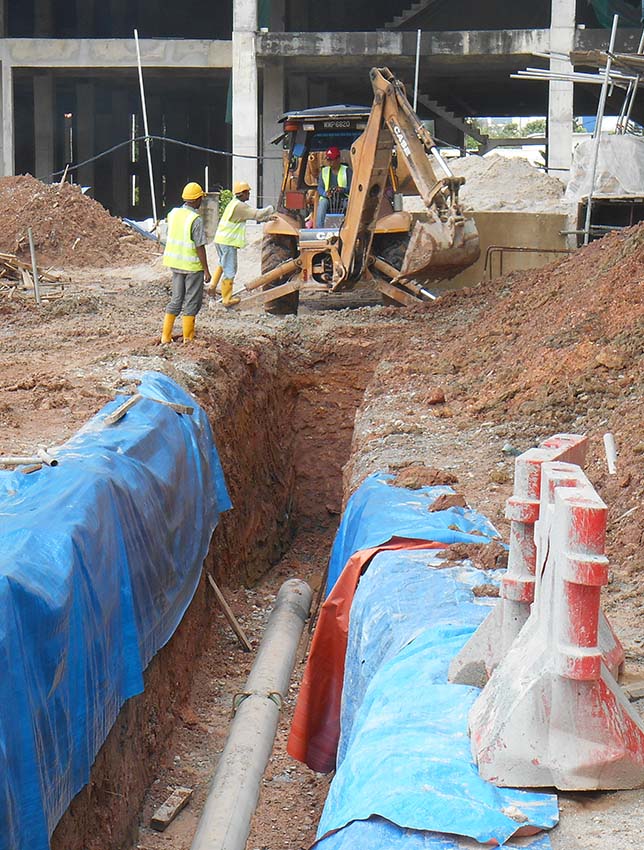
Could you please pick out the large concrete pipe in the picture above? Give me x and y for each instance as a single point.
(225, 821)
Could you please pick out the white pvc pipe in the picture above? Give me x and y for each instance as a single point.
(225, 820)
(611, 453)
(145, 128)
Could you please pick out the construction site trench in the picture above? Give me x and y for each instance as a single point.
(302, 410)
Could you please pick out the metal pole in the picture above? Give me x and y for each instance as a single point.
(625, 116)
(232, 798)
(417, 68)
(34, 267)
(145, 128)
(598, 129)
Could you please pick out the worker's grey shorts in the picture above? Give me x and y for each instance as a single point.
(187, 292)
(227, 260)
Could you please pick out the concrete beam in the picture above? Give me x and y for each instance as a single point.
(117, 53)
(483, 43)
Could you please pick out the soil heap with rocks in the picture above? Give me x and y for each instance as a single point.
(70, 229)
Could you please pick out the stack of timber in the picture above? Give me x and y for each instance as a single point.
(16, 276)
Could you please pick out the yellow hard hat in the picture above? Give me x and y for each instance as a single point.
(240, 186)
(192, 192)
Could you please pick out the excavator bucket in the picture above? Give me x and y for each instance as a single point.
(439, 250)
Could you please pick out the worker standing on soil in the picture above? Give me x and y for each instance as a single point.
(231, 236)
(334, 182)
(185, 254)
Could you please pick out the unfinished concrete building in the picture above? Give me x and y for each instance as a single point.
(218, 76)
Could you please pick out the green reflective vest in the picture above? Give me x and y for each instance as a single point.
(231, 232)
(341, 177)
(180, 251)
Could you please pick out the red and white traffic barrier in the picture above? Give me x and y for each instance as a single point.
(494, 637)
(552, 713)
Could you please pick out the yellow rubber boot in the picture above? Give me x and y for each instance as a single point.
(214, 280)
(168, 324)
(188, 328)
(227, 293)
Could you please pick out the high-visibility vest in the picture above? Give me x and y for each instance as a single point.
(231, 232)
(180, 251)
(341, 177)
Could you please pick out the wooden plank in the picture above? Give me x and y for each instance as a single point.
(405, 298)
(122, 409)
(234, 624)
(26, 279)
(168, 811)
(178, 408)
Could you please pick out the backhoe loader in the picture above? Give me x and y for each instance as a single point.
(374, 240)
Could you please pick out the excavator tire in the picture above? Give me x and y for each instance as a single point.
(391, 247)
(275, 250)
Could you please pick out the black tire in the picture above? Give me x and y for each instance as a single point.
(276, 250)
(391, 248)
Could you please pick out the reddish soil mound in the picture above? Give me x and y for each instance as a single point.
(69, 228)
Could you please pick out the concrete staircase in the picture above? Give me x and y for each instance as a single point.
(444, 113)
(401, 21)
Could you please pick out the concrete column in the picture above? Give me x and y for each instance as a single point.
(85, 18)
(85, 132)
(272, 109)
(7, 150)
(43, 18)
(118, 13)
(44, 105)
(120, 131)
(4, 18)
(299, 17)
(278, 15)
(560, 96)
(297, 92)
(244, 83)
(319, 93)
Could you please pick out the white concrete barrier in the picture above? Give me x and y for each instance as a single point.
(492, 640)
(552, 713)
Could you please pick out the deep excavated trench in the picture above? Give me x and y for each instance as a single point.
(283, 422)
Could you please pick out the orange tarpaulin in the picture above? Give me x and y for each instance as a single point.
(315, 730)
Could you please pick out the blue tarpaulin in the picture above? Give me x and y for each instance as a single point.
(99, 558)
(378, 511)
(405, 775)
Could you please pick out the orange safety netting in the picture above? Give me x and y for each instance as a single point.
(315, 730)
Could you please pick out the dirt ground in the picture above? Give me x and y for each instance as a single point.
(460, 385)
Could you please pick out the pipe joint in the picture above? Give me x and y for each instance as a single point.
(242, 696)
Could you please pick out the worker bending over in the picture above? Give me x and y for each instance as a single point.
(231, 236)
(185, 254)
(334, 182)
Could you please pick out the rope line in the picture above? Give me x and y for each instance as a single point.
(201, 148)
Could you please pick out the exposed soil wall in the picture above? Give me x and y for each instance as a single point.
(282, 419)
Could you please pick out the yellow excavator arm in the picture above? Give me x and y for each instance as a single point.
(445, 243)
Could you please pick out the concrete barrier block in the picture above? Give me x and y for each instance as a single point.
(492, 640)
(552, 713)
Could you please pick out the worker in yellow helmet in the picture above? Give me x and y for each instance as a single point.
(231, 236)
(185, 254)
